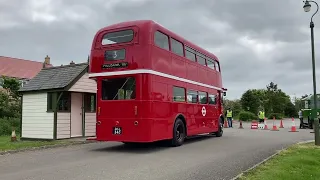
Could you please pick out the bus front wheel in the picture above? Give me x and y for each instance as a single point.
(179, 133)
(219, 133)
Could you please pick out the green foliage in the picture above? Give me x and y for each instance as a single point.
(250, 101)
(290, 110)
(247, 116)
(10, 106)
(12, 85)
(275, 115)
(235, 106)
(6, 125)
(271, 99)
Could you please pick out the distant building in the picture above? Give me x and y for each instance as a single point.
(21, 69)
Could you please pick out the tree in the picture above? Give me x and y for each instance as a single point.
(12, 85)
(10, 106)
(250, 101)
(276, 100)
(235, 106)
(290, 110)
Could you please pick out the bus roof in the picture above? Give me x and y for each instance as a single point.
(150, 23)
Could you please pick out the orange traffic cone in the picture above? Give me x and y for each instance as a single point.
(265, 124)
(293, 126)
(281, 124)
(240, 127)
(274, 127)
(226, 124)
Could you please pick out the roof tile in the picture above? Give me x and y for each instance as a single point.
(54, 77)
(19, 68)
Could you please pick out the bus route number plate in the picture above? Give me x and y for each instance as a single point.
(117, 130)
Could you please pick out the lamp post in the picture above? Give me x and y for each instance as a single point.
(307, 8)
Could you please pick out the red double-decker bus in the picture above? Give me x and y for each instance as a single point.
(154, 85)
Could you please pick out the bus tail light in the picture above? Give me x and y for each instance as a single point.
(135, 110)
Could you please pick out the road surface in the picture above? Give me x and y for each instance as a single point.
(199, 158)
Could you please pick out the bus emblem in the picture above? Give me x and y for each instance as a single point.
(203, 111)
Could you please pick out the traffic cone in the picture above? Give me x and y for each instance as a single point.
(281, 124)
(265, 124)
(13, 136)
(226, 124)
(293, 126)
(274, 127)
(240, 127)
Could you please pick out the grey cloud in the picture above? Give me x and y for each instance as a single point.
(210, 24)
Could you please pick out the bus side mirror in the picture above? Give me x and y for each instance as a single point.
(224, 93)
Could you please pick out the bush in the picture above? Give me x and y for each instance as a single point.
(276, 115)
(247, 116)
(6, 125)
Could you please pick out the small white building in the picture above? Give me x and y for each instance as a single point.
(59, 103)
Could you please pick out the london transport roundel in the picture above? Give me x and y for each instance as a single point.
(203, 111)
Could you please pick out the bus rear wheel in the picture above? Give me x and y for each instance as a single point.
(179, 133)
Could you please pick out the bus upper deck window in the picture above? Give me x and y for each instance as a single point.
(118, 37)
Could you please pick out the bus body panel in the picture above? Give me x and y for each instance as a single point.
(147, 111)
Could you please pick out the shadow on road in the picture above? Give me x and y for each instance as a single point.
(143, 148)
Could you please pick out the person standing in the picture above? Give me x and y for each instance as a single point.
(261, 116)
(301, 119)
(229, 117)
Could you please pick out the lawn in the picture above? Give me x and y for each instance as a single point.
(6, 144)
(296, 163)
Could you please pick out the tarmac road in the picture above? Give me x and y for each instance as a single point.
(205, 158)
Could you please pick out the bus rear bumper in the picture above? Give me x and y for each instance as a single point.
(129, 130)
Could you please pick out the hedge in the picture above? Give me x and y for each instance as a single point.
(247, 116)
(276, 115)
(6, 125)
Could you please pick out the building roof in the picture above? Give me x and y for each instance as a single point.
(55, 77)
(20, 68)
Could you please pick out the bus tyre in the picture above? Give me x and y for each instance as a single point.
(219, 133)
(179, 133)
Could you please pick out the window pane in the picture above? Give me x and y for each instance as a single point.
(117, 37)
(118, 88)
(112, 55)
(202, 97)
(192, 96)
(190, 55)
(217, 66)
(176, 47)
(161, 40)
(210, 64)
(64, 102)
(178, 94)
(212, 99)
(90, 102)
(49, 101)
(201, 60)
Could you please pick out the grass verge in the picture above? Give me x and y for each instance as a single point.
(6, 144)
(301, 161)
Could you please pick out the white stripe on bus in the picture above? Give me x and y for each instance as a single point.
(148, 71)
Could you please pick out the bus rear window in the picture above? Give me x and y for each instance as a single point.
(119, 88)
(117, 37)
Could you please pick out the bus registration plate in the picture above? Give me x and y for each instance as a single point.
(117, 130)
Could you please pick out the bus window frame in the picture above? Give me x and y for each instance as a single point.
(98, 42)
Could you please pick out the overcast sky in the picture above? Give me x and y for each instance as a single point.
(257, 41)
